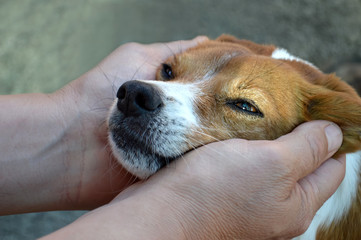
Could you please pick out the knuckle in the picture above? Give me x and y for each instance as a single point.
(306, 215)
(299, 227)
(305, 224)
(277, 156)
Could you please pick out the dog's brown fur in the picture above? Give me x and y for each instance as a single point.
(288, 93)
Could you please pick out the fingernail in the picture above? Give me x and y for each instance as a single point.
(334, 137)
(200, 39)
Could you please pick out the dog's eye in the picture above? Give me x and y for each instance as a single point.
(167, 72)
(245, 106)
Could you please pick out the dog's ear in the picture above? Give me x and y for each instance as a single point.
(260, 49)
(228, 38)
(339, 103)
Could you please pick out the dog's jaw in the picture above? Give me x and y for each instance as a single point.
(133, 161)
(144, 145)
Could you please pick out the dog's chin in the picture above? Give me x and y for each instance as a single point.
(138, 161)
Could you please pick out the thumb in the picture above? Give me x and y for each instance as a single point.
(309, 145)
(317, 176)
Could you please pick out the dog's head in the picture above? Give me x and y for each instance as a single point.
(222, 89)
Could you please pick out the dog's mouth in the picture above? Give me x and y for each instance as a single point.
(138, 151)
(145, 131)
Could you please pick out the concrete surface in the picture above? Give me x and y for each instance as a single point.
(45, 44)
(34, 225)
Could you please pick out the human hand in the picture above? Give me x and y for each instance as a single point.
(259, 189)
(93, 176)
(235, 189)
(54, 153)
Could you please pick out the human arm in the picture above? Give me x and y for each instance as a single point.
(73, 169)
(227, 190)
(54, 153)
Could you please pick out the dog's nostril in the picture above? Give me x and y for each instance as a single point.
(136, 98)
(141, 101)
(121, 93)
(148, 101)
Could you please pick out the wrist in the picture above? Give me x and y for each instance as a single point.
(202, 210)
(181, 208)
(84, 145)
(32, 128)
(141, 215)
(94, 177)
(196, 219)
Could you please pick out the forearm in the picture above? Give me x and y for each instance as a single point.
(33, 152)
(143, 215)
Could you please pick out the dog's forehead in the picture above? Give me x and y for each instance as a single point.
(209, 57)
(214, 58)
(214, 52)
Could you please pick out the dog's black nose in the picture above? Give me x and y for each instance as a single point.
(136, 98)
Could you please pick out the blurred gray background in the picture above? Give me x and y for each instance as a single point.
(44, 44)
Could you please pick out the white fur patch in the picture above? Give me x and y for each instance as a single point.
(340, 202)
(283, 54)
(180, 97)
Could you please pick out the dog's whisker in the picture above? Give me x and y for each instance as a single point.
(205, 134)
(228, 132)
(112, 82)
(171, 50)
(205, 145)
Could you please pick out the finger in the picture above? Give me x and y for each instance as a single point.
(180, 46)
(324, 181)
(309, 145)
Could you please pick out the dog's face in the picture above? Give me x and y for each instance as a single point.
(222, 89)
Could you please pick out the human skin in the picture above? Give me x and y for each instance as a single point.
(261, 190)
(54, 149)
(55, 156)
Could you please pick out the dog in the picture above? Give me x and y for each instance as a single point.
(230, 88)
